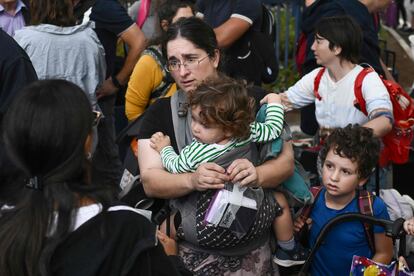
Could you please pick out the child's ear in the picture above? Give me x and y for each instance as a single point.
(227, 133)
(337, 50)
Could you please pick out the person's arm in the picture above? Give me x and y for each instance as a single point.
(383, 248)
(268, 176)
(301, 93)
(271, 128)
(230, 31)
(380, 125)
(243, 15)
(378, 105)
(135, 40)
(159, 183)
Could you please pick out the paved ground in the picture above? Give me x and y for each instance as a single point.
(398, 42)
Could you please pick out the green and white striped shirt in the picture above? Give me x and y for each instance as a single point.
(197, 153)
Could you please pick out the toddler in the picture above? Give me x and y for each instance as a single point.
(223, 119)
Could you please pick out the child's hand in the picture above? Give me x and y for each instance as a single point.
(159, 141)
(300, 223)
(409, 226)
(169, 244)
(271, 98)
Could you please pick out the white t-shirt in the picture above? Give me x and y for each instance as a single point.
(336, 108)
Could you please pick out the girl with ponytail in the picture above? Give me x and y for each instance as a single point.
(61, 224)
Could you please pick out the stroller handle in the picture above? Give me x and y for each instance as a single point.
(393, 229)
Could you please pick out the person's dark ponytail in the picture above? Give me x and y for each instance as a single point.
(45, 130)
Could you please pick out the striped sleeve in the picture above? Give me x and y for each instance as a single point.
(271, 128)
(190, 157)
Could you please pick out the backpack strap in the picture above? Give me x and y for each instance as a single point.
(316, 83)
(306, 211)
(365, 206)
(359, 99)
(167, 81)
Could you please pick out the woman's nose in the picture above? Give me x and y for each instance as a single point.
(183, 70)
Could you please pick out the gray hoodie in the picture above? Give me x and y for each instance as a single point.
(71, 53)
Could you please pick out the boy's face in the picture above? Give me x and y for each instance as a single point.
(340, 176)
(323, 54)
(206, 134)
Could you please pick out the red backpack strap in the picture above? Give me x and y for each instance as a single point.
(365, 206)
(316, 83)
(359, 99)
(305, 213)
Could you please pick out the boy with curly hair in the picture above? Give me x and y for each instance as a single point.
(222, 120)
(349, 156)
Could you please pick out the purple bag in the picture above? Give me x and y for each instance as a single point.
(390, 15)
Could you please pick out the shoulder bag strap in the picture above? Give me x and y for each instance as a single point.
(365, 206)
(359, 99)
(181, 118)
(316, 83)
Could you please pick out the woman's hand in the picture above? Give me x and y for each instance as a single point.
(209, 176)
(243, 171)
(169, 244)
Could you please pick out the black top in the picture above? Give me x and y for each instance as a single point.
(111, 19)
(16, 70)
(158, 117)
(113, 243)
(217, 12)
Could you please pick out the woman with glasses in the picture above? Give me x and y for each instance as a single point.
(193, 56)
(150, 79)
(61, 223)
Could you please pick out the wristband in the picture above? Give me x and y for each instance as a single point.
(116, 82)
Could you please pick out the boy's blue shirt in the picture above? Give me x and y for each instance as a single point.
(344, 240)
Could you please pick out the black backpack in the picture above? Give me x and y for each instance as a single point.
(253, 56)
(268, 23)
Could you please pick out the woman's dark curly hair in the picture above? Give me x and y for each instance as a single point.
(224, 103)
(356, 143)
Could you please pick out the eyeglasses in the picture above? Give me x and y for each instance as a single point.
(96, 117)
(189, 64)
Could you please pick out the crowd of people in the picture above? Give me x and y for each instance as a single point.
(201, 145)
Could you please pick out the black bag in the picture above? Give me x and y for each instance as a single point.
(253, 56)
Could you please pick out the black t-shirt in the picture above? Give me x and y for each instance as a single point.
(113, 243)
(111, 19)
(216, 12)
(158, 117)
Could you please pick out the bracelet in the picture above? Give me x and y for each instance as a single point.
(116, 82)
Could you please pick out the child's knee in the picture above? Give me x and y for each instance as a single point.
(281, 200)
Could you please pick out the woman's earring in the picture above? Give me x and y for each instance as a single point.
(88, 156)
